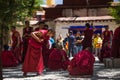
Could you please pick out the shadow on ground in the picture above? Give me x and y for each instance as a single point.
(100, 73)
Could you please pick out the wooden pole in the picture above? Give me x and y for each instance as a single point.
(1, 77)
(87, 2)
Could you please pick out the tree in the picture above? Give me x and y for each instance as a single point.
(12, 11)
(115, 12)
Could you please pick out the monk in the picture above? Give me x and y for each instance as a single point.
(88, 33)
(116, 44)
(26, 36)
(106, 35)
(41, 25)
(105, 52)
(16, 43)
(82, 63)
(58, 59)
(8, 59)
(34, 59)
(45, 46)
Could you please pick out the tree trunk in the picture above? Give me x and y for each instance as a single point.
(1, 77)
(1, 46)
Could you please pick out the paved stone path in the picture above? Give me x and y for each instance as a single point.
(100, 73)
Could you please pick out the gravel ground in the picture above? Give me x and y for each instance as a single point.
(100, 73)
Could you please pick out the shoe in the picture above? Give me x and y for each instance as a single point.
(38, 73)
(24, 74)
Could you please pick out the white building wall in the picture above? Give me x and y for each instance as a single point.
(60, 25)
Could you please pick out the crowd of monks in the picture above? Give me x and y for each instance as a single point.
(34, 52)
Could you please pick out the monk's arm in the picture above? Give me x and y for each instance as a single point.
(17, 35)
(34, 35)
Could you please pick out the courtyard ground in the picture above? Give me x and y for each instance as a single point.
(100, 73)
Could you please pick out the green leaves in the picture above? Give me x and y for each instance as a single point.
(12, 11)
(115, 12)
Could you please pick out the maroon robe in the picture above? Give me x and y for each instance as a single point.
(8, 59)
(16, 48)
(45, 47)
(116, 44)
(58, 60)
(87, 42)
(82, 64)
(26, 36)
(106, 36)
(105, 52)
(34, 60)
(37, 29)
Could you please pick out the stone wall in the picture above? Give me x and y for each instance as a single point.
(53, 13)
(86, 2)
(85, 12)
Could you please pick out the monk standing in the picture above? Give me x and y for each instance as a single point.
(88, 33)
(40, 25)
(26, 36)
(116, 43)
(16, 43)
(34, 59)
(45, 46)
(106, 35)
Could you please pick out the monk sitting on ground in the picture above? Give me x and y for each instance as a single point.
(82, 63)
(8, 58)
(58, 59)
